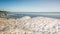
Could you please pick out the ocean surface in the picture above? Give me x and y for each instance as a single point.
(33, 14)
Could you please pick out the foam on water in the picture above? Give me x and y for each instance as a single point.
(28, 25)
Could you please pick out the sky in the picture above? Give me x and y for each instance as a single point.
(30, 5)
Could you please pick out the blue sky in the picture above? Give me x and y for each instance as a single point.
(30, 5)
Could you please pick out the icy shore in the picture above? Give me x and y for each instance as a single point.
(28, 25)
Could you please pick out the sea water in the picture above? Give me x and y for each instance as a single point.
(32, 14)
